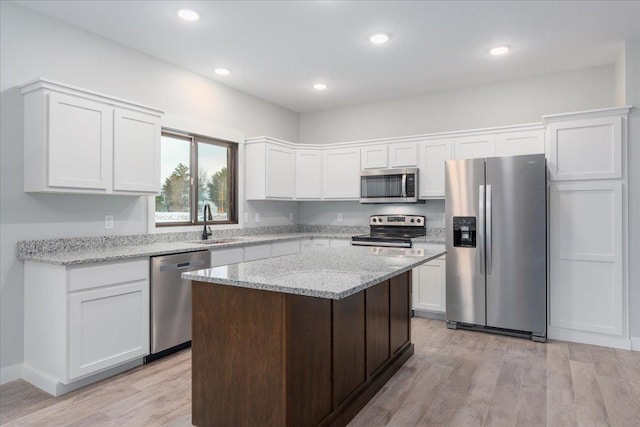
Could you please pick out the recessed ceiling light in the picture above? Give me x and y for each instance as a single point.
(379, 38)
(188, 14)
(319, 86)
(499, 50)
(221, 71)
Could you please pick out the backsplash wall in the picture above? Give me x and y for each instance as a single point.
(356, 214)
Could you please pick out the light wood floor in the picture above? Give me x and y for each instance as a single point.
(455, 378)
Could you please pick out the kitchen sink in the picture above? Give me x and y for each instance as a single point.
(213, 241)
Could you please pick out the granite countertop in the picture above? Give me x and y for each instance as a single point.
(335, 273)
(73, 251)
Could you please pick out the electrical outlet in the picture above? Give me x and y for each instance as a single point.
(257, 217)
(108, 221)
(246, 217)
(339, 216)
(290, 216)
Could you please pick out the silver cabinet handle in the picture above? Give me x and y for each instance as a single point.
(480, 241)
(489, 254)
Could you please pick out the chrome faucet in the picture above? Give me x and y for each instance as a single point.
(206, 232)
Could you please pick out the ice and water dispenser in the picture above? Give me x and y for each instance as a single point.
(464, 231)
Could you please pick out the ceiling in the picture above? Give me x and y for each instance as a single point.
(276, 50)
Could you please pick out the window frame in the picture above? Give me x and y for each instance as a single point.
(232, 174)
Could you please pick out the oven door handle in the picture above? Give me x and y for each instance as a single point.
(382, 244)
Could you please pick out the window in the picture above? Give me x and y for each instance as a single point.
(184, 194)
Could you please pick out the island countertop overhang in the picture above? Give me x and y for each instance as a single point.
(334, 273)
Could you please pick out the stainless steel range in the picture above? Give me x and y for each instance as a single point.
(392, 231)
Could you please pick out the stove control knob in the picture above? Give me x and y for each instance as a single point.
(379, 219)
(413, 220)
(374, 220)
(419, 219)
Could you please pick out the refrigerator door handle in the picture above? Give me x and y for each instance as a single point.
(488, 255)
(481, 221)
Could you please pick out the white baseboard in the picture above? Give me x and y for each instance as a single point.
(56, 388)
(10, 373)
(635, 343)
(589, 338)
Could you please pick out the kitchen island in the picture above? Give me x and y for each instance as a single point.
(300, 340)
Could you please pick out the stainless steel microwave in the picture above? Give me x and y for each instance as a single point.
(389, 186)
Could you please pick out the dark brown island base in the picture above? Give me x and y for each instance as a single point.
(265, 358)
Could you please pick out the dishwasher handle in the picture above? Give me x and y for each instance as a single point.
(181, 265)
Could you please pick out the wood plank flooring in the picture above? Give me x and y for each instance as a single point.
(455, 378)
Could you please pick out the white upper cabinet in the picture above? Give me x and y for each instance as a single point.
(77, 141)
(520, 143)
(136, 136)
(474, 147)
(308, 174)
(270, 169)
(403, 155)
(389, 155)
(585, 148)
(433, 155)
(341, 173)
(374, 157)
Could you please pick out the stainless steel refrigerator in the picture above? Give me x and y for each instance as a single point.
(495, 224)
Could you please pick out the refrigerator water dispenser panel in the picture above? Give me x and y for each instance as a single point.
(464, 231)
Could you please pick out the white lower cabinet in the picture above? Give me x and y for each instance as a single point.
(429, 287)
(256, 252)
(310, 245)
(81, 321)
(285, 248)
(226, 256)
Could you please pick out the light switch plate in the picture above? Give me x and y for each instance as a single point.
(108, 221)
(290, 216)
(246, 217)
(339, 216)
(257, 217)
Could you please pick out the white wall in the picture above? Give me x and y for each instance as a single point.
(496, 104)
(33, 45)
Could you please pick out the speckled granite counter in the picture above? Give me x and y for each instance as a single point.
(334, 274)
(72, 251)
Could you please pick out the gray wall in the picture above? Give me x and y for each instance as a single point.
(32, 46)
(497, 104)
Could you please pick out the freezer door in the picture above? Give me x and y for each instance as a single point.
(516, 243)
(465, 292)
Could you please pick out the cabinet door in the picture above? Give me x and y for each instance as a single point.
(374, 157)
(136, 152)
(585, 257)
(433, 154)
(341, 174)
(308, 174)
(226, 256)
(79, 143)
(429, 286)
(285, 248)
(585, 149)
(474, 147)
(377, 325)
(520, 143)
(403, 155)
(107, 327)
(280, 173)
(256, 252)
(399, 312)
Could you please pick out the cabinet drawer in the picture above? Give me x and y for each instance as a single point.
(252, 253)
(285, 248)
(112, 273)
(226, 256)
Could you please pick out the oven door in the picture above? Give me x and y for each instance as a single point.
(384, 242)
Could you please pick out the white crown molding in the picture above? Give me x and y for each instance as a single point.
(587, 114)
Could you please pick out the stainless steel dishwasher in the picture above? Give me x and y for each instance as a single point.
(171, 301)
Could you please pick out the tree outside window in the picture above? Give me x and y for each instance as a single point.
(184, 195)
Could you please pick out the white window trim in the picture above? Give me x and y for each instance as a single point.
(209, 130)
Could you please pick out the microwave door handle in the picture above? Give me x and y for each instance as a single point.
(404, 186)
